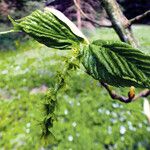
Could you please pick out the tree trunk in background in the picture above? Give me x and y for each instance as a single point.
(79, 24)
(119, 21)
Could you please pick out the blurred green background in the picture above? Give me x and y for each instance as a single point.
(87, 117)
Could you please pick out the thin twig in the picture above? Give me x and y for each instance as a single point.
(139, 17)
(88, 18)
(6, 32)
(123, 99)
(144, 93)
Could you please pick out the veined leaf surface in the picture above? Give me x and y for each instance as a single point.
(51, 28)
(118, 64)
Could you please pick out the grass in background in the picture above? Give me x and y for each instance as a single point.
(87, 117)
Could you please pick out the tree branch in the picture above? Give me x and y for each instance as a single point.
(6, 32)
(88, 18)
(79, 23)
(139, 17)
(144, 93)
(123, 99)
(123, 30)
(119, 22)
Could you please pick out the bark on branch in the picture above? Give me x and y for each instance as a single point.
(124, 99)
(79, 23)
(139, 17)
(119, 22)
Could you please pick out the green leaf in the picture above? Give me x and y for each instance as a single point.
(51, 28)
(118, 64)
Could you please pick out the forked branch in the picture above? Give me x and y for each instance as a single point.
(131, 97)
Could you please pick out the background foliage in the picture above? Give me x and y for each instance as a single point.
(87, 117)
